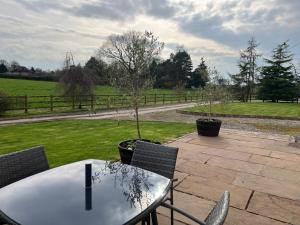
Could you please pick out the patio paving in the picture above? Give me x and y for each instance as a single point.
(260, 170)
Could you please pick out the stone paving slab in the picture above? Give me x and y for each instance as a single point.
(207, 171)
(226, 142)
(286, 156)
(190, 149)
(275, 207)
(275, 162)
(198, 207)
(247, 149)
(242, 217)
(261, 171)
(213, 189)
(281, 174)
(180, 176)
(267, 185)
(237, 165)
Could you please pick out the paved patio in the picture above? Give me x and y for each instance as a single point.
(261, 171)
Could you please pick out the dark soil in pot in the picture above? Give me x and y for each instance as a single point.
(126, 149)
(210, 128)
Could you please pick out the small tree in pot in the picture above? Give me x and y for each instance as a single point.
(131, 55)
(213, 93)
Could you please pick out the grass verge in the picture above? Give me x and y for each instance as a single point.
(254, 109)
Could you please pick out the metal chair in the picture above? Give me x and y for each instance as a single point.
(18, 165)
(158, 159)
(216, 217)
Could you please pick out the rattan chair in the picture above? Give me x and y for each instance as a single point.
(216, 217)
(18, 165)
(158, 159)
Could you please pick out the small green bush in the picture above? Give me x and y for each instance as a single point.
(4, 102)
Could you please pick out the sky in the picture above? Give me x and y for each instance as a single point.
(39, 32)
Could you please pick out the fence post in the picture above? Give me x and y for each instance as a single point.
(73, 102)
(92, 102)
(25, 104)
(108, 100)
(185, 98)
(51, 103)
(145, 102)
(155, 99)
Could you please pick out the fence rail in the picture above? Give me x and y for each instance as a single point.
(93, 102)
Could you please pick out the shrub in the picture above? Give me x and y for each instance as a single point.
(4, 102)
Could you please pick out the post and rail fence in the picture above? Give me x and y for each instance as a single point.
(93, 102)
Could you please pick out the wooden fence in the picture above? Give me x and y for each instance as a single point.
(93, 102)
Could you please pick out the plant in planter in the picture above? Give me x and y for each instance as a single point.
(213, 93)
(131, 55)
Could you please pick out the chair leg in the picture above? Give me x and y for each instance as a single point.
(172, 203)
(148, 220)
(154, 218)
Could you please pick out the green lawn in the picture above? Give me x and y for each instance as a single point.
(33, 88)
(73, 140)
(261, 109)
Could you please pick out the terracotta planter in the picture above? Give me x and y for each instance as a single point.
(209, 128)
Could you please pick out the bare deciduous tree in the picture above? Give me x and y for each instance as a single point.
(76, 82)
(131, 54)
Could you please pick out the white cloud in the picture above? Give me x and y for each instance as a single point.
(39, 32)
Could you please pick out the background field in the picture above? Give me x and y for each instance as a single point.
(73, 140)
(17, 87)
(261, 109)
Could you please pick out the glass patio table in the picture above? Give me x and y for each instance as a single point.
(119, 194)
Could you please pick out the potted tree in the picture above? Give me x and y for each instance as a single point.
(130, 55)
(213, 93)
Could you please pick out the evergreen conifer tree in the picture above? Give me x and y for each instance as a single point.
(278, 80)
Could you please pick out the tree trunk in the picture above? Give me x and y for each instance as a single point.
(137, 120)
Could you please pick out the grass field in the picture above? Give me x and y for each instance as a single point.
(73, 140)
(17, 87)
(260, 109)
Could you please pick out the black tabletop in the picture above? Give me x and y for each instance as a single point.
(119, 194)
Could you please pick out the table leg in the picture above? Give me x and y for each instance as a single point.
(154, 218)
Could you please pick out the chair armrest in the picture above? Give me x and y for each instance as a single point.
(183, 213)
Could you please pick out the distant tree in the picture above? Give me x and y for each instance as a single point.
(250, 54)
(3, 68)
(14, 66)
(244, 81)
(132, 53)
(240, 82)
(164, 74)
(5, 63)
(32, 70)
(97, 68)
(278, 78)
(183, 68)
(199, 76)
(75, 82)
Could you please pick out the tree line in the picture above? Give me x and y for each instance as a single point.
(277, 79)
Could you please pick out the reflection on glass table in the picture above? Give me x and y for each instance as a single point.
(119, 194)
